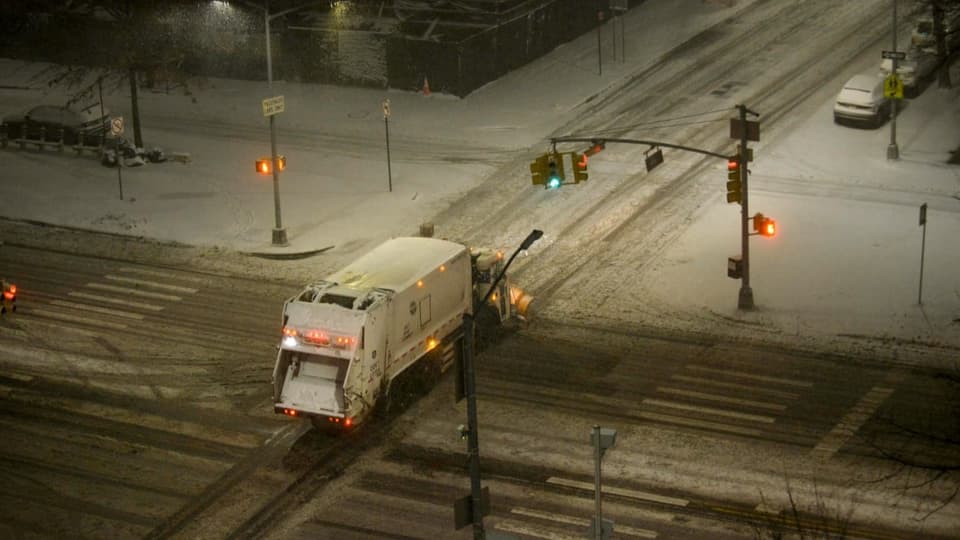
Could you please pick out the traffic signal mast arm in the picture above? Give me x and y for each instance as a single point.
(601, 141)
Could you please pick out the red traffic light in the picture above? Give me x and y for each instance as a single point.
(596, 148)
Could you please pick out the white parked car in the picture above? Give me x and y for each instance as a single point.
(861, 101)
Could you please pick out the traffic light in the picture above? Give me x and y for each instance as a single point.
(263, 164)
(9, 302)
(555, 174)
(540, 170)
(734, 186)
(579, 162)
(764, 226)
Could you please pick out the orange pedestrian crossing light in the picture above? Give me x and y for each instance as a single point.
(764, 226)
(263, 165)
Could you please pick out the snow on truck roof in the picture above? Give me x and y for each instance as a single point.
(396, 264)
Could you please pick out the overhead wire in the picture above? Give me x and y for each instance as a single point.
(662, 122)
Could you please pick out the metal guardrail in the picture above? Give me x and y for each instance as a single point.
(42, 143)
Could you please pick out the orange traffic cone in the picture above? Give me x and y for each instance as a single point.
(426, 87)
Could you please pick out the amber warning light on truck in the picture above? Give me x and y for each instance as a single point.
(292, 336)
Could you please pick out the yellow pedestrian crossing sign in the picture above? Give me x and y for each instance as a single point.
(893, 86)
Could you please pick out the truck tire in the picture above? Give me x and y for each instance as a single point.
(410, 385)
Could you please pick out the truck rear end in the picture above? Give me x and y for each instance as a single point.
(347, 338)
(319, 358)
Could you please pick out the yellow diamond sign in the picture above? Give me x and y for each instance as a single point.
(893, 86)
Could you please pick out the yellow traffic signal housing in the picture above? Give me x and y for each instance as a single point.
(734, 185)
(579, 163)
(263, 165)
(9, 301)
(540, 170)
(555, 171)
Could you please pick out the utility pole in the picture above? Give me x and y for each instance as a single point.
(386, 127)
(893, 151)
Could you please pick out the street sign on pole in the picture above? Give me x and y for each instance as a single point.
(894, 55)
(272, 105)
(737, 129)
(116, 125)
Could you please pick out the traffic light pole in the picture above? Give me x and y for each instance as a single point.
(745, 300)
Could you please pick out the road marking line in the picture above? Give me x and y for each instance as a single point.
(159, 273)
(136, 292)
(745, 387)
(109, 300)
(762, 378)
(509, 525)
(97, 309)
(852, 421)
(620, 529)
(153, 284)
(550, 516)
(709, 410)
(65, 317)
(622, 492)
(722, 399)
(704, 424)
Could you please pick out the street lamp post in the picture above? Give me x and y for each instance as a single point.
(469, 387)
(279, 233)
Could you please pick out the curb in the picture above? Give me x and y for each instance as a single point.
(287, 256)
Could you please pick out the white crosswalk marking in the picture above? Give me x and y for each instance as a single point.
(135, 292)
(620, 530)
(512, 526)
(751, 376)
(709, 410)
(72, 318)
(858, 415)
(162, 274)
(702, 424)
(110, 300)
(702, 381)
(722, 399)
(97, 309)
(622, 492)
(152, 284)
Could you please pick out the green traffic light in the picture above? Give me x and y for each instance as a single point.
(553, 182)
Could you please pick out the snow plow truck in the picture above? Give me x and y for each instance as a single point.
(346, 339)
